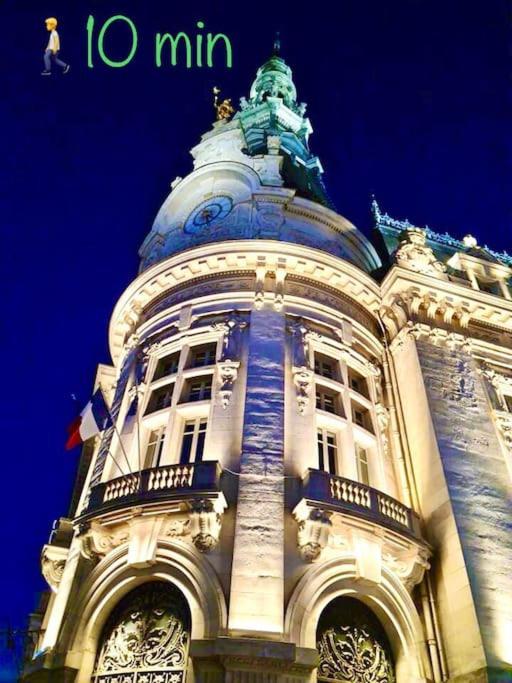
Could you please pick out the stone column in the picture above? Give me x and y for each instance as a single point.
(256, 602)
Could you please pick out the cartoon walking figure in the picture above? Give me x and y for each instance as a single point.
(51, 54)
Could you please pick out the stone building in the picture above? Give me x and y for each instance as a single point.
(310, 474)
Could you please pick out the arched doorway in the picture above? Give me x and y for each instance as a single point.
(352, 645)
(146, 637)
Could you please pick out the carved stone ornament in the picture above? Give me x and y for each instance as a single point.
(314, 529)
(414, 254)
(53, 561)
(433, 335)
(383, 422)
(303, 381)
(146, 637)
(100, 540)
(409, 565)
(206, 522)
(227, 372)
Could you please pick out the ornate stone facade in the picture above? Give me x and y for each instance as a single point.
(310, 471)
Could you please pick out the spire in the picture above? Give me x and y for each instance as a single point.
(277, 45)
(274, 79)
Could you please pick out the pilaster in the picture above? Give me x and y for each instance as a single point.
(256, 603)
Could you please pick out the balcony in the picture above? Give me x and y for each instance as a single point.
(338, 517)
(172, 482)
(326, 491)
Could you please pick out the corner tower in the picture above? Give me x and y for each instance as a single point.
(253, 516)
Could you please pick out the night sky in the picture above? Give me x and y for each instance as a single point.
(408, 100)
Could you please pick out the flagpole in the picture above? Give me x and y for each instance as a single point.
(130, 471)
(137, 417)
(117, 464)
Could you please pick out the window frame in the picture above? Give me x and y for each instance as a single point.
(161, 433)
(196, 423)
(328, 461)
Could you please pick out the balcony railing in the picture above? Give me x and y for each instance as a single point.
(168, 482)
(351, 497)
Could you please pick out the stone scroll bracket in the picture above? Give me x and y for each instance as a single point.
(313, 532)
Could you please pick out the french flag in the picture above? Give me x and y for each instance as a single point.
(93, 419)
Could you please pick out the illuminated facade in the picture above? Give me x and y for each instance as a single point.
(310, 477)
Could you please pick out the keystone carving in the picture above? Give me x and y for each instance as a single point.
(314, 529)
(414, 254)
(53, 561)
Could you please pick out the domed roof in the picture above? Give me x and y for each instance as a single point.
(255, 178)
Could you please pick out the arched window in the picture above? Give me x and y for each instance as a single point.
(353, 645)
(146, 637)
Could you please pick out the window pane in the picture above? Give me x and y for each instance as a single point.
(200, 390)
(203, 355)
(167, 366)
(320, 443)
(362, 465)
(160, 398)
(186, 448)
(325, 367)
(200, 446)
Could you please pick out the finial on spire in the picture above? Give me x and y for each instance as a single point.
(277, 44)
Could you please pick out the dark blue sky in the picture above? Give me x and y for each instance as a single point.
(408, 100)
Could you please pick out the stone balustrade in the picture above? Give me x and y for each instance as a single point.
(169, 481)
(328, 491)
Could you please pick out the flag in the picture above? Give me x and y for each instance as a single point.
(93, 419)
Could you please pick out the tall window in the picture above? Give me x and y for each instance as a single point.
(363, 472)
(192, 444)
(327, 450)
(326, 400)
(155, 447)
(160, 398)
(198, 389)
(202, 355)
(167, 366)
(508, 402)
